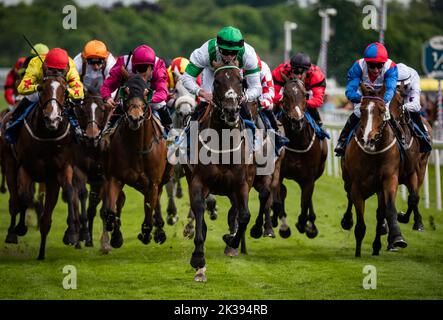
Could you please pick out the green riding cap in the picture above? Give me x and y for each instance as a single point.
(40, 48)
(230, 38)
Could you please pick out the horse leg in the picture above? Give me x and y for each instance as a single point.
(52, 191)
(285, 230)
(197, 199)
(276, 204)
(178, 171)
(39, 202)
(73, 232)
(376, 245)
(172, 209)
(306, 195)
(233, 226)
(113, 188)
(346, 221)
(413, 200)
(390, 190)
(85, 235)
(159, 223)
(3, 173)
(311, 228)
(94, 200)
(116, 236)
(150, 200)
(211, 206)
(25, 195)
(243, 217)
(189, 230)
(360, 227)
(14, 206)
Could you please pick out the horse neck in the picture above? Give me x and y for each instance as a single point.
(298, 139)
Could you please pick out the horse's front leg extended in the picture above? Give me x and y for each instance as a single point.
(52, 191)
(395, 237)
(150, 201)
(306, 196)
(72, 234)
(197, 199)
(159, 223)
(360, 227)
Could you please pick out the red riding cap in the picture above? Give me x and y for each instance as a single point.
(57, 58)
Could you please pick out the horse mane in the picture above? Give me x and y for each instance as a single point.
(135, 87)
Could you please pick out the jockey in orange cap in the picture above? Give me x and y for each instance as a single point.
(56, 59)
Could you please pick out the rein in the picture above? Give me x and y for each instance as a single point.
(47, 139)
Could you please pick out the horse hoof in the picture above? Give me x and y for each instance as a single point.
(231, 252)
(198, 260)
(384, 229)
(11, 238)
(227, 238)
(402, 217)
(269, 233)
(311, 230)
(347, 224)
(89, 243)
(274, 221)
(418, 226)
(116, 239)
(200, 275)
(285, 233)
(78, 245)
(159, 236)
(399, 242)
(213, 215)
(172, 219)
(375, 253)
(84, 235)
(256, 231)
(300, 228)
(144, 238)
(21, 230)
(188, 232)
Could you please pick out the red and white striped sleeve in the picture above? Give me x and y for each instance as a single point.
(267, 96)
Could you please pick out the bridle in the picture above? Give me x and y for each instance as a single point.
(217, 100)
(379, 133)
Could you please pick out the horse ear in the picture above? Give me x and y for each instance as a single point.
(236, 63)
(216, 64)
(363, 89)
(127, 90)
(284, 77)
(145, 93)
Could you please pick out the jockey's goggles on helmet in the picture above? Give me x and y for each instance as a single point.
(374, 65)
(141, 68)
(227, 52)
(298, 70)
(95, 61)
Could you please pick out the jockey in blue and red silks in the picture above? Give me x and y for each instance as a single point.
(374, 70)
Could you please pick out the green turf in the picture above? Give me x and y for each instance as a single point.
(293, 268)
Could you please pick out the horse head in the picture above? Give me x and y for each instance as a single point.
(228, 91)
(373, 120)
(92, 116)
(52, 99)
(184, 104)
(135, 103)
(294, 102)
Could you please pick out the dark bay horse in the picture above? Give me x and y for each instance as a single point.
(372, 165)
(220, 174)
(304, 159)
(43, 154)
(413, 168)
(137, 156)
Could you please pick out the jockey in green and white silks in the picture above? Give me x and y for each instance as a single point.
(228, 45)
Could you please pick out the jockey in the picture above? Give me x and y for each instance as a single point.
(144, 62)
(373, 70)
(58, 60)
(300, 66)
(410, 80)
(93, 65)
(226, 47)
(12, 78)
(39, 49)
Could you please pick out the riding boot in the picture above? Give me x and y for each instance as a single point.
(397, 132)
(313, 112)
(425, 139)
(165, 118)
(280, 140)
(344, 134)
(18, 111)
(245, 113)
(78, 132)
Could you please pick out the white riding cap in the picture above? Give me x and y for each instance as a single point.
(404, 74)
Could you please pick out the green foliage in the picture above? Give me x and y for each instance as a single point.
(177, 27)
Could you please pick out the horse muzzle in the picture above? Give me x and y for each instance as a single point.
(53, 124)
(135, 123)
(231, 116)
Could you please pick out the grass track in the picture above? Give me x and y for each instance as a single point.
(293, 268)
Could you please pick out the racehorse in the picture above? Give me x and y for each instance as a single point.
(413, 168)
(371, 164)
(184, 105)
(304, 159)
(43, 154)
(137, 156)
(232, 178)
(2, 165)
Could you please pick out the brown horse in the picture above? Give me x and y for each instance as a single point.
(372, 165)
(413, 168)
(228, 171)
(2, 164)
(137, 156)
(304, 159)
(43, 153)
